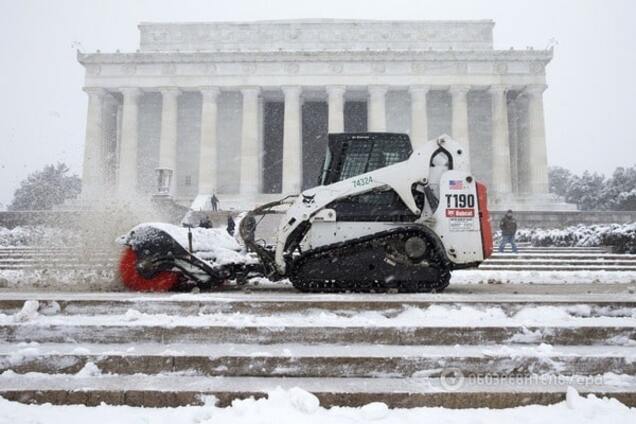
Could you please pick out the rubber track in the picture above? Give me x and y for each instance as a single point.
(437, 260)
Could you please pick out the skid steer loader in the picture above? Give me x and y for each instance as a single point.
(384, 217)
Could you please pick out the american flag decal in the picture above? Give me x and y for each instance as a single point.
(456, 184)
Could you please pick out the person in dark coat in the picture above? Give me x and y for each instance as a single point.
(231, 226)
(508, 228)
(214, 201)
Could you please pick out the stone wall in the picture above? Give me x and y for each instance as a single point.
(558, 219)
(316, 35)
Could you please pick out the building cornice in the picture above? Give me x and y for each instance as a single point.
(542, 56)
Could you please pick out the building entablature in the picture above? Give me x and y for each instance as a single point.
(354, 68)
(529, 55)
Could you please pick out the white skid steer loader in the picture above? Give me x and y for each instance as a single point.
(384, 217)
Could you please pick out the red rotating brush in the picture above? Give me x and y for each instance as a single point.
(162, 281)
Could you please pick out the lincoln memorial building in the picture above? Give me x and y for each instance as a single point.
(242, 110)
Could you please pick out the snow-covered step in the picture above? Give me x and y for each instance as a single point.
(531, 255)
(281, 301)
(557, 263)
(573, 262)
(8, 253)
(54, 259)
(59, 258)
(530, 246)
(47, 249)
(318, 334)
(554, 250)
(56, 266)
(551, 252)
(299, 360)
(175, 390)
(49, 256)
(108, 247)
(69, 259)
(555, 267)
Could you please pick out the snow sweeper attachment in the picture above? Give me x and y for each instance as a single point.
(383, 217)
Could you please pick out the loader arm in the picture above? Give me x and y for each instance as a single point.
(399, 177)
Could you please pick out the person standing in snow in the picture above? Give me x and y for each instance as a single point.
(230, 225)
(214, 201)
(508, 228)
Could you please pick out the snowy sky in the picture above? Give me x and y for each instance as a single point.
(590, 115)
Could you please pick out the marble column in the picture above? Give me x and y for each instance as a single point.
(292, 142)
(501, 176)
(251, 175)
(336, 108)
(538, 159)
(93, 171)
(168, 141)
(419, 115)
(513, 131)
(377, 108)
(127, 178)
(208, 156)
(459, 126)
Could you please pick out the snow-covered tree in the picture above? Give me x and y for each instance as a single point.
(46, 188)
(592, 191)
(620, 191)
(585, 191)
(559, 179)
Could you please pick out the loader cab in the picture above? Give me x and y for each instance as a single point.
(351, 154)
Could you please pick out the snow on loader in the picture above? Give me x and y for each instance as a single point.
(383, 218)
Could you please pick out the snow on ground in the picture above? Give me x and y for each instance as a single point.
(478, 276)
(434, 315)
(298, 406)
(105, 279)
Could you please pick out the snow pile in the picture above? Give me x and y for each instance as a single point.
(284, 406)
(28, 312)
(300, 399)
(374, 411)
(622, 237)
(38, 235)
(89, 370)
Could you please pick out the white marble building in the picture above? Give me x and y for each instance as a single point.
(243, 109)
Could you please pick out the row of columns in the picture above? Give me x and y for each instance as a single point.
(251, 149)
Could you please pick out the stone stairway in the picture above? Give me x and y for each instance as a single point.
(452, 350)
(529, 258)
(73, 258)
